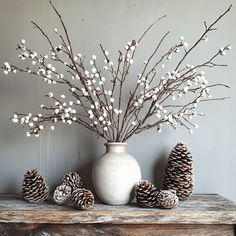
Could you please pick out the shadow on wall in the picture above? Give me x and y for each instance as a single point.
(159, 170)
(11, 187)
(85, 169)
(84, 153)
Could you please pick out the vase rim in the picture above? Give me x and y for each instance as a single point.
(115, 144)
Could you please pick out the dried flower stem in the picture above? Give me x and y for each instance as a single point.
(108, 113)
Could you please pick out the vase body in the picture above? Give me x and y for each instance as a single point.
(115, 175)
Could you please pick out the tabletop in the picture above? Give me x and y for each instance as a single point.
(198, 209)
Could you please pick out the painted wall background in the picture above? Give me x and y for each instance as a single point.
(114, 23)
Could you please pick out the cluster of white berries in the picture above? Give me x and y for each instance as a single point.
(58, 49)
(174, 118)
(33, 122)
(94, 80)
(176, 49)
(46, 71)
(131, 45)
(195, 81)
(61, 112)
(99, 114)
(109, 62)
(142, 80)
(184, 43)
(223, 51)
(147, 93)
(75, 58)
(23, 56)
(27, 53)
(48, 74)
(8, 68)
(128, 58)
(173, 75)
(64, 111)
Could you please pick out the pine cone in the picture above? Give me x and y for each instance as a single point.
(62, 193)
(73, 180)
(146, 194)
(179, 172)
(34, 187)
(82, 199)
(167, 199)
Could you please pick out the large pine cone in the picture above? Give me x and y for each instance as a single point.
(82, 199)
(61, 194)
(179, 171)
(167, 199)
(146, 194)
(73, 180)
(34, 187)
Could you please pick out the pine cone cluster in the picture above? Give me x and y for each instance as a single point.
(34, 187)
(167, 199)
(82, 199)
(71, 188)
(179, 171)
(36, 190)
(146, 194)
(61, 194)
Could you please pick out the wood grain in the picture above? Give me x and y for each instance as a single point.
(199, 209)
(114, 230)
(200, 215)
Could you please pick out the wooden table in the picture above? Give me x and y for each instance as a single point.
(200, 215)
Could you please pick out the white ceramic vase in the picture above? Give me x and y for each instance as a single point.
(115, 175)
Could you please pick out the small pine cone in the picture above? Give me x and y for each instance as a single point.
(73, 180)
(34, 187)
(61, 194)
(146, 194)
(82, 199)
(167, 199)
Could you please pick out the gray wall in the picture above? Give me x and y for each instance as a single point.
(114, 23)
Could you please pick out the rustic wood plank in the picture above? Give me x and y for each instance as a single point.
(199, 209)
(114, 230)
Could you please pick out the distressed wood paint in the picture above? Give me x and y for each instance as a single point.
(202, 214)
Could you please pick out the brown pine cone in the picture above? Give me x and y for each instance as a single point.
(34, 187)
(73, 180)
(146, 194)
(82, 199)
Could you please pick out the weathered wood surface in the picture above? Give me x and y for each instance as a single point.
(114, 230)
(199, 209)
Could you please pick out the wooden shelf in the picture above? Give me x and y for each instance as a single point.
(200, 212)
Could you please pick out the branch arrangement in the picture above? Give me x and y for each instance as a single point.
(96, 97)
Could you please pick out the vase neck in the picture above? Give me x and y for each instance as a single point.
(116, 147)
